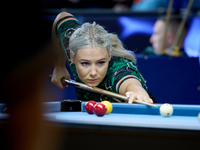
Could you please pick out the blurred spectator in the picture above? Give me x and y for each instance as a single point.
(157, 37)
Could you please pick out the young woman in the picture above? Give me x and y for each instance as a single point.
(96, 58)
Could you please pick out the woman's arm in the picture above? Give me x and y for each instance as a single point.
(133, 89)
(59, 58)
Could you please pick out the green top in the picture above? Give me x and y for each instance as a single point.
(119, 69)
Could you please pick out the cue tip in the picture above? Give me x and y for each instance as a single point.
(153, 105)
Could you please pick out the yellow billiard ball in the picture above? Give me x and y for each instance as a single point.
(108, 106)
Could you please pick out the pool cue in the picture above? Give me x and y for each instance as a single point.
(169, 10)
(180, 29)
(100, 91)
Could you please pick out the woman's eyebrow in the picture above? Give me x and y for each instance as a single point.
(84, 60)
(89, 60)
(102, 59)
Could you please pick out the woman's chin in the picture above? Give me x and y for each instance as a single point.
(92, 84)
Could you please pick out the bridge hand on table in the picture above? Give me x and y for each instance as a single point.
(132, 96)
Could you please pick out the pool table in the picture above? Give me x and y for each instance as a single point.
(128, 126)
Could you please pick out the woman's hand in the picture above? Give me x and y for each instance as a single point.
(58, 74)
(133, 95)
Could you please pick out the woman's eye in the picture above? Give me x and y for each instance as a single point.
(101, 63)
(84, 63)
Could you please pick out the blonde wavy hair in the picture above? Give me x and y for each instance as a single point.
(94, 35)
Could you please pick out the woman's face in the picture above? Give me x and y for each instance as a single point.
(91, 65)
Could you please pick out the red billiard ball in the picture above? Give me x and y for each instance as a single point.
(89, 107)
(100, 109)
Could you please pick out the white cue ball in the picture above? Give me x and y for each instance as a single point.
(166, 110)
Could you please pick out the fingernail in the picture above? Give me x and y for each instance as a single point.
(127, 95)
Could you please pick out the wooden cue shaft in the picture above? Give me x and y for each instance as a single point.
(169, 10)
(100, 91)
(181, 26)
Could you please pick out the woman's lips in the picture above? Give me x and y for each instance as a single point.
(92, 80)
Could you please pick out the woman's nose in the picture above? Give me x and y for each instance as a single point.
(93, 71)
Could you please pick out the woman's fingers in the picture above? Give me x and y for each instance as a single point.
(132, 96)
(58, 74)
